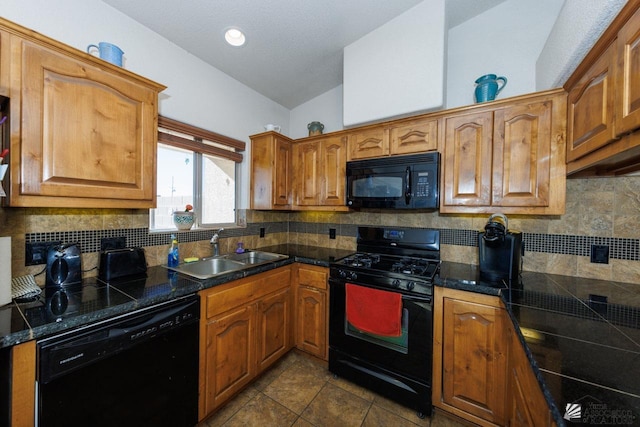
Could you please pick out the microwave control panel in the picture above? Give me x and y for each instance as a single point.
(423, 186)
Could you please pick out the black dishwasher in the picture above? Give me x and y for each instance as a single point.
(139, 369)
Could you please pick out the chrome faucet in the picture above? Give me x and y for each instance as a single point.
(214, 242)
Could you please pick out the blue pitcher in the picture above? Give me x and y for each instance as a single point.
(487, 87)
(109, 52)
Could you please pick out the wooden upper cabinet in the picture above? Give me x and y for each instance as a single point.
(367, 143)
(333, 165)
(401, 137)
(627, 81)
(320, 170)
(467, 160)
(307, 177)
(604, 102)
(522, 155)
(509, 158)
(83, 132)
(271, 171)
(414, 137)
(590, 108)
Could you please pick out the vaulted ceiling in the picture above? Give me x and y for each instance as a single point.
(294, 47)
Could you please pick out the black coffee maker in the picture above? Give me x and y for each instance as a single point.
(500, 251)
(64, 266)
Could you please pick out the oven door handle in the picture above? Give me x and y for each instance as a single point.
(407, 186)
(418, 298)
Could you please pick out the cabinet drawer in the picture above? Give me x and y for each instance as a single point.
(308, 276)
(416, 136)
(368, 143)
(238, 292)
(233, 296)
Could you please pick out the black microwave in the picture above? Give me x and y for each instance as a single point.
(396, 182)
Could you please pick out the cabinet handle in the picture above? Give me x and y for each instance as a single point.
(407, 186)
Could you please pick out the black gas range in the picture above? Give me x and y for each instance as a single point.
(381, 313)
(400, 259)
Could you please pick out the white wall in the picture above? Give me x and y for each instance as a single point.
(196, 93)
(398, 68)
(325, 108)
(506, 40)
(578, 27)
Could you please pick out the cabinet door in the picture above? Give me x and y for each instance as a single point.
(312, 310)
(307, 177)
(332, 168)
(522, 155)
(467, 160)
(274, 325)
(474, 359)
(311, 331)
(590, 108)
(627, 72)
(282, 172)
(23, 382)
(87, 133)
(526, 405)
(230, 355)
(368, 143)
(416, 136)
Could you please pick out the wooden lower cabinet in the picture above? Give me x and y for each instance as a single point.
(274, 328)
(526, 405)
(23, 384)
(230, 355)
(470, 356)
(480, 370)
(245, 327)
(312, 310)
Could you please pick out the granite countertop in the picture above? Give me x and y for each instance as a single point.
(582, 336)
(93, 300)
(309, 254)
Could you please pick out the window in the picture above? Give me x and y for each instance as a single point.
(195, 167)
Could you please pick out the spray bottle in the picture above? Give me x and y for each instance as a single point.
(174, 256)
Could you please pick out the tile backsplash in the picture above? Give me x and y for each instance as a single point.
(603, 211)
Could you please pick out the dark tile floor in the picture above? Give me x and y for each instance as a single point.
(299, 391)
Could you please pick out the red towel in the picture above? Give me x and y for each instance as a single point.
(374, 311)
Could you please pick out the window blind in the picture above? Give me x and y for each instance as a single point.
(182, 135)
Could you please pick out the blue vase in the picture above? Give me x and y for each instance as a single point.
(487, 87)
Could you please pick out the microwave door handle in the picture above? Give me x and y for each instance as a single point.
(407, 188)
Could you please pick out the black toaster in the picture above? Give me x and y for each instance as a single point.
(120, 263)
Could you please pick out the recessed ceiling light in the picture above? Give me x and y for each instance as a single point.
(235, 37)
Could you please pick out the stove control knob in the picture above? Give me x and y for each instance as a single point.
(395, 283)
(353, 275)
(342, 274)
(410, 285)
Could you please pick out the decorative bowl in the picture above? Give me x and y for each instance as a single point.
(183, 220)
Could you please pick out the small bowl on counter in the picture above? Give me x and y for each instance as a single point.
(183, 220)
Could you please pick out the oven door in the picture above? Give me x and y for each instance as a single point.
(409, 354)
(396, 367)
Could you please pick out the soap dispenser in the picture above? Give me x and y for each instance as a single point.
(173, 257)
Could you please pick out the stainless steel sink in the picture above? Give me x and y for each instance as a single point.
(210, 267)
(255, 257)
